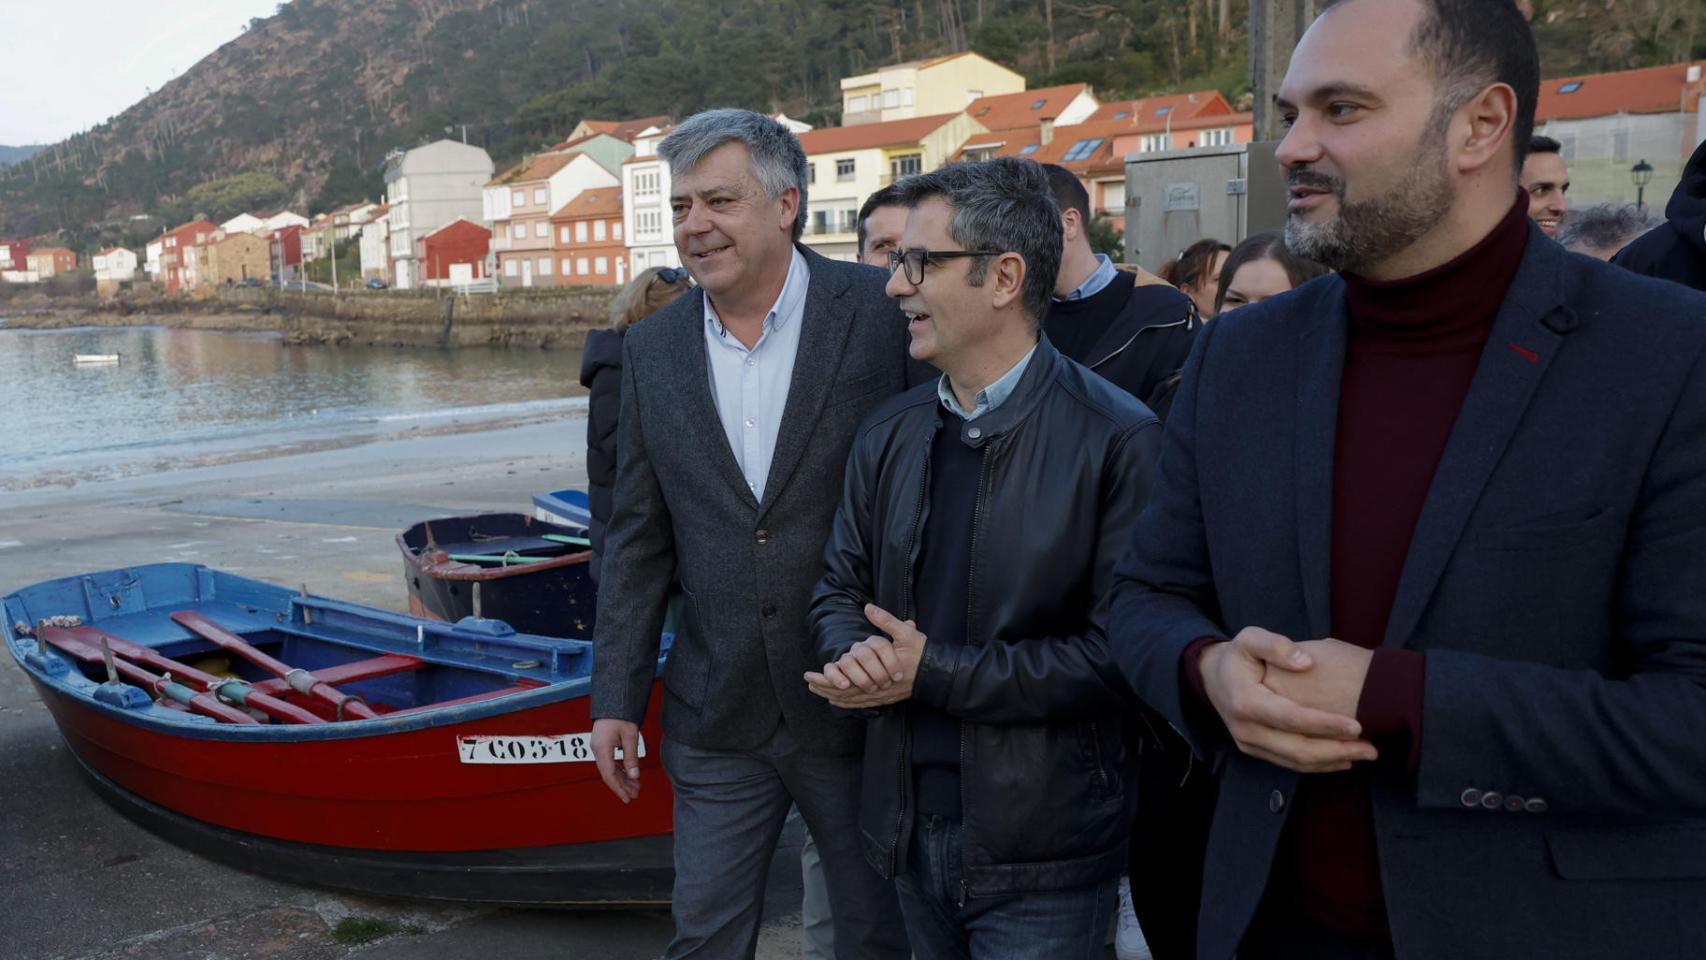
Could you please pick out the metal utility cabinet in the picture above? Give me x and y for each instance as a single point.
(1176, 197)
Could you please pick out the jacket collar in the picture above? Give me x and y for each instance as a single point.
(1039, 373)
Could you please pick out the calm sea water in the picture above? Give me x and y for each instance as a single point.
(189, 397)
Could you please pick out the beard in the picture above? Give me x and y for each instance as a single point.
(1366, 232)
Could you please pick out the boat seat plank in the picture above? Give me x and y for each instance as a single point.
(349, 672)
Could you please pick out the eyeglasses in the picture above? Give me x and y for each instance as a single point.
(916, 258)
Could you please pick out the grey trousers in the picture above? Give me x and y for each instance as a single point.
(729, 809)
(817, 920)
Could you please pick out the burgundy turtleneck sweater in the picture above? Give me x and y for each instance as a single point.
(1410, 354)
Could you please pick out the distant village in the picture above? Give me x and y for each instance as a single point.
(593, 210)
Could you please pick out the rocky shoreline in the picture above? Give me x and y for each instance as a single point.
(535, 318)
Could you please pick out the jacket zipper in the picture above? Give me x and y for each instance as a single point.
(908, 613)
(1122, 347)
(971, 584)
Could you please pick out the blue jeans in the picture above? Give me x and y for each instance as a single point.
(943, 923)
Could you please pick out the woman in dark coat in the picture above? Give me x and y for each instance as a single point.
(601, 373)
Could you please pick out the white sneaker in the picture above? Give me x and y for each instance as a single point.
(1129, 943)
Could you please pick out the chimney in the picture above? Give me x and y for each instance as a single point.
(1047, 126)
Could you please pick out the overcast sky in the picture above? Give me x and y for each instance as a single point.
(66, 65)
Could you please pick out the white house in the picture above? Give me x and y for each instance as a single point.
(282, 219)
(376, 245)
(426, 188)
(645, 205)
(152, 257)
(518, 204)
(243, 223)
(115, 263)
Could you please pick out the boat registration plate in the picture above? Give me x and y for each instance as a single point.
(562, 748)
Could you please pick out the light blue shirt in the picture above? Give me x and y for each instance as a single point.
(1099, 278)
(989, 397)
(750, 387)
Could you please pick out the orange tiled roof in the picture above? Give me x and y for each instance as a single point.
(604, 201)
(189, 229)
(478, 226)
(866, 136)
(1007, 143)
(1151, 114)
(1650, 90)
(50, 251)
(1009, 111)
(539, 168)
(625, 129)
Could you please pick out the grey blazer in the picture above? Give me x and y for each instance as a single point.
(747, 568)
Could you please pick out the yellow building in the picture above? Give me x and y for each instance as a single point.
(844, 165)
(923, 88)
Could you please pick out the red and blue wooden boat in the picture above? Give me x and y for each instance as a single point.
(395, 755)
(527, 572)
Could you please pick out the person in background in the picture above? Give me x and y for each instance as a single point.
(1677, 250)
(601, 374)
(1546, 181)
(1603, 229)
(881, 219)
(1196, 271)
(1259, 268)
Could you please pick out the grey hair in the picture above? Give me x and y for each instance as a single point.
(1003, 204)
(778, 161)
(1604, 226)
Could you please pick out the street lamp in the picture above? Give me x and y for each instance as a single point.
(1642, 174)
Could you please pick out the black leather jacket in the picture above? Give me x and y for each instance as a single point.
(1046, 771)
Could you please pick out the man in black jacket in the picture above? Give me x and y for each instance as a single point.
(1134, 333)
(1677, 250)
(996, 787)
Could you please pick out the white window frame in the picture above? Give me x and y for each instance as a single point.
(543, 267)
(600, 231)
(539, 195)
(581, 266)
(601, 266)
(568, 267)
(580, 231)
(518, 198)
(510, 268)
(563, 233)
(891, 98)
(857, 104)
(846, 168)
(615, 229)
(518, 230)
(541, 230)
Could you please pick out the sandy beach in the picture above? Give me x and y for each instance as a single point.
(85, 883)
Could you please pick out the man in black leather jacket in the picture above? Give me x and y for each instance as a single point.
(963, 604)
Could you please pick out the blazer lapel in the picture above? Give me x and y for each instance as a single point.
(1526, 335)
(1320, 366)
(823, 338)
(697, 398)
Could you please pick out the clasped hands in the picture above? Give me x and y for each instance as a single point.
(1291, 704)
(878, 670)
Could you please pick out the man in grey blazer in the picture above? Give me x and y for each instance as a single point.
(739, 403)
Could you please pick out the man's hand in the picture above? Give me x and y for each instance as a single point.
(1333, 683)
(608, 734)
(878, 670)
(1266, 725)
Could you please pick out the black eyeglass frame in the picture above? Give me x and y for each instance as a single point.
(924, 257)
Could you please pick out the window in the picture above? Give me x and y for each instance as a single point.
(1163, 111)
(1152, 142)
(1217, 137)
(849, 220)
(891, 99)
(1113, 196)
(906, 96)
(568, 267)
(563, 234)
(518, 198)
(844, 169)
(544, 266)
(615, 229)
(1039, 104)
(811, 173)
(1027, 149)
(906, 165)
(581, 266)
(1121, 114)
(856, 104)
(598, 230)
(1570, 87)
(541, 229)
(601, 265)
(646, 184)
(820, 221)
(518, 231)
(580, 231)
(509, 268)
(1081, 149)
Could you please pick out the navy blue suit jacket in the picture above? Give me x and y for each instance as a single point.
(1556, 582)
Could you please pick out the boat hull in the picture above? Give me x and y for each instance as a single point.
(555, 597)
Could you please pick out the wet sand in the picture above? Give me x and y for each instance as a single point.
(83, 882)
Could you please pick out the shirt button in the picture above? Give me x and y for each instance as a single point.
(752, 361)
(975, 432)
(768, 611)
(1470, 797)
(1513, 803)
(1276, 802)
(1534, 805)
(749, 423)
(1492, 799)
(762, 536)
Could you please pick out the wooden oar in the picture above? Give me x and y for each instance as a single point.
(202, 703)
(236, 691)
(300, 680)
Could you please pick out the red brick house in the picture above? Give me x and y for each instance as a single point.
(587, 241)
(14, 254)
(176, 261)
(286, 252)
(455, 252)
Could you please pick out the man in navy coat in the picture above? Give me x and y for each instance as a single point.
(1424, 570)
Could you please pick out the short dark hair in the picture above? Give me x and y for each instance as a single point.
(1472, 44)
(885, 197)
(1002, 204)
(1604, 226)
(1540, 143)
(1068, 190)
(1267, 245)
(1193, 262)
